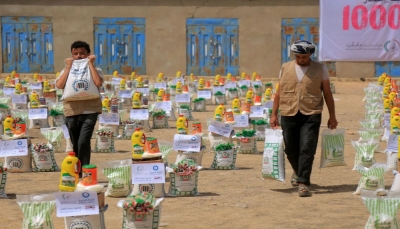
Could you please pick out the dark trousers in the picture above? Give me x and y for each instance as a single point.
(80, 128)
(300, 135)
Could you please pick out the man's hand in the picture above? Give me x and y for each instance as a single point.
(68, 62)
(274, 122)
(92, 58)
(332, 123)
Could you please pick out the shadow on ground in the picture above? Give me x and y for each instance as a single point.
(317, 189)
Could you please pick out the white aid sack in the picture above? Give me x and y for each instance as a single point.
(332, 148)
(80, 84)
(273, 157)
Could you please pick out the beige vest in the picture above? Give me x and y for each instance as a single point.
(304, 96)
(78, 107)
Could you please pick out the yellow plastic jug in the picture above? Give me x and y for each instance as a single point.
(34, 100)
(133, 75)
(160, 95)
(182, 123)
(18, 88)
(178, 88)
(249, 96)
(70, 168)
(160, 77)
(46, 86)
(8, 123)
(106, 103)
(236, 105)
(219, 111)
(137, 100)
(138, 140)
(216, 80)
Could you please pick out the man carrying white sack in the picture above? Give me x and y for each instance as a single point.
(303, 85)
(81, 115)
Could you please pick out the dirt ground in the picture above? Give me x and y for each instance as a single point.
(234, 198)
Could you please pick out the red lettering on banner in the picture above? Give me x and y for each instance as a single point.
(376, 17)
(364, 17)
(393, 23)
(382, 17)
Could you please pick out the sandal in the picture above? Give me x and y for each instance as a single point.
(293, 180)
(303, 191)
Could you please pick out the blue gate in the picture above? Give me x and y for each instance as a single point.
(392, 68)
(294, 29)
(212, 46)
(119, 44)
(27, 44)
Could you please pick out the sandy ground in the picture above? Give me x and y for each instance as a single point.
(236, 198)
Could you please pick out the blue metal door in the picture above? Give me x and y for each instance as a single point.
(212, 46)
(392, 68)
(27, 44)
(119, 44)
(294, 29)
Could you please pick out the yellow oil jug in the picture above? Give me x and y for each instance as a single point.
(137, 100)
(133, 76)
(267, 94)
(178, 89)
(217, 80)
(229, 77)
(182, 124)
(8, 124)
(115, 74)
(201, 84)
(35, 77)
(70, 168)
(160, 77)
(34, 100)
(219, 112)
(178, 74)
(46, 86)
(18, 88)
(249, 96)
(122, 84)
(236, 105)
(138, 140)
(139, 81)
(106, 103)
(254, 76)
(243, 75)
(160, 95)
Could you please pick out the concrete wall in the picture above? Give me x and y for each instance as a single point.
(259, 28)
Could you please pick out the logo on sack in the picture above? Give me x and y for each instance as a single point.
(155, 168)
(42, 158)
(266, 160)
(16, 163)
(149, 188)
(82, 84)
(37, 123)
(80, 224)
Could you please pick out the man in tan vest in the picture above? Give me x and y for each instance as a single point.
(303, 86)
(81, 116)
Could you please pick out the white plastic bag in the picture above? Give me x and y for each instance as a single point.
(80, 84)
(119, 175)
(273, 157)
(371, 178)
(332, 148)
(37, 210)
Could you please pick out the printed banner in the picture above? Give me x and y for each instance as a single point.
(359, 30)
